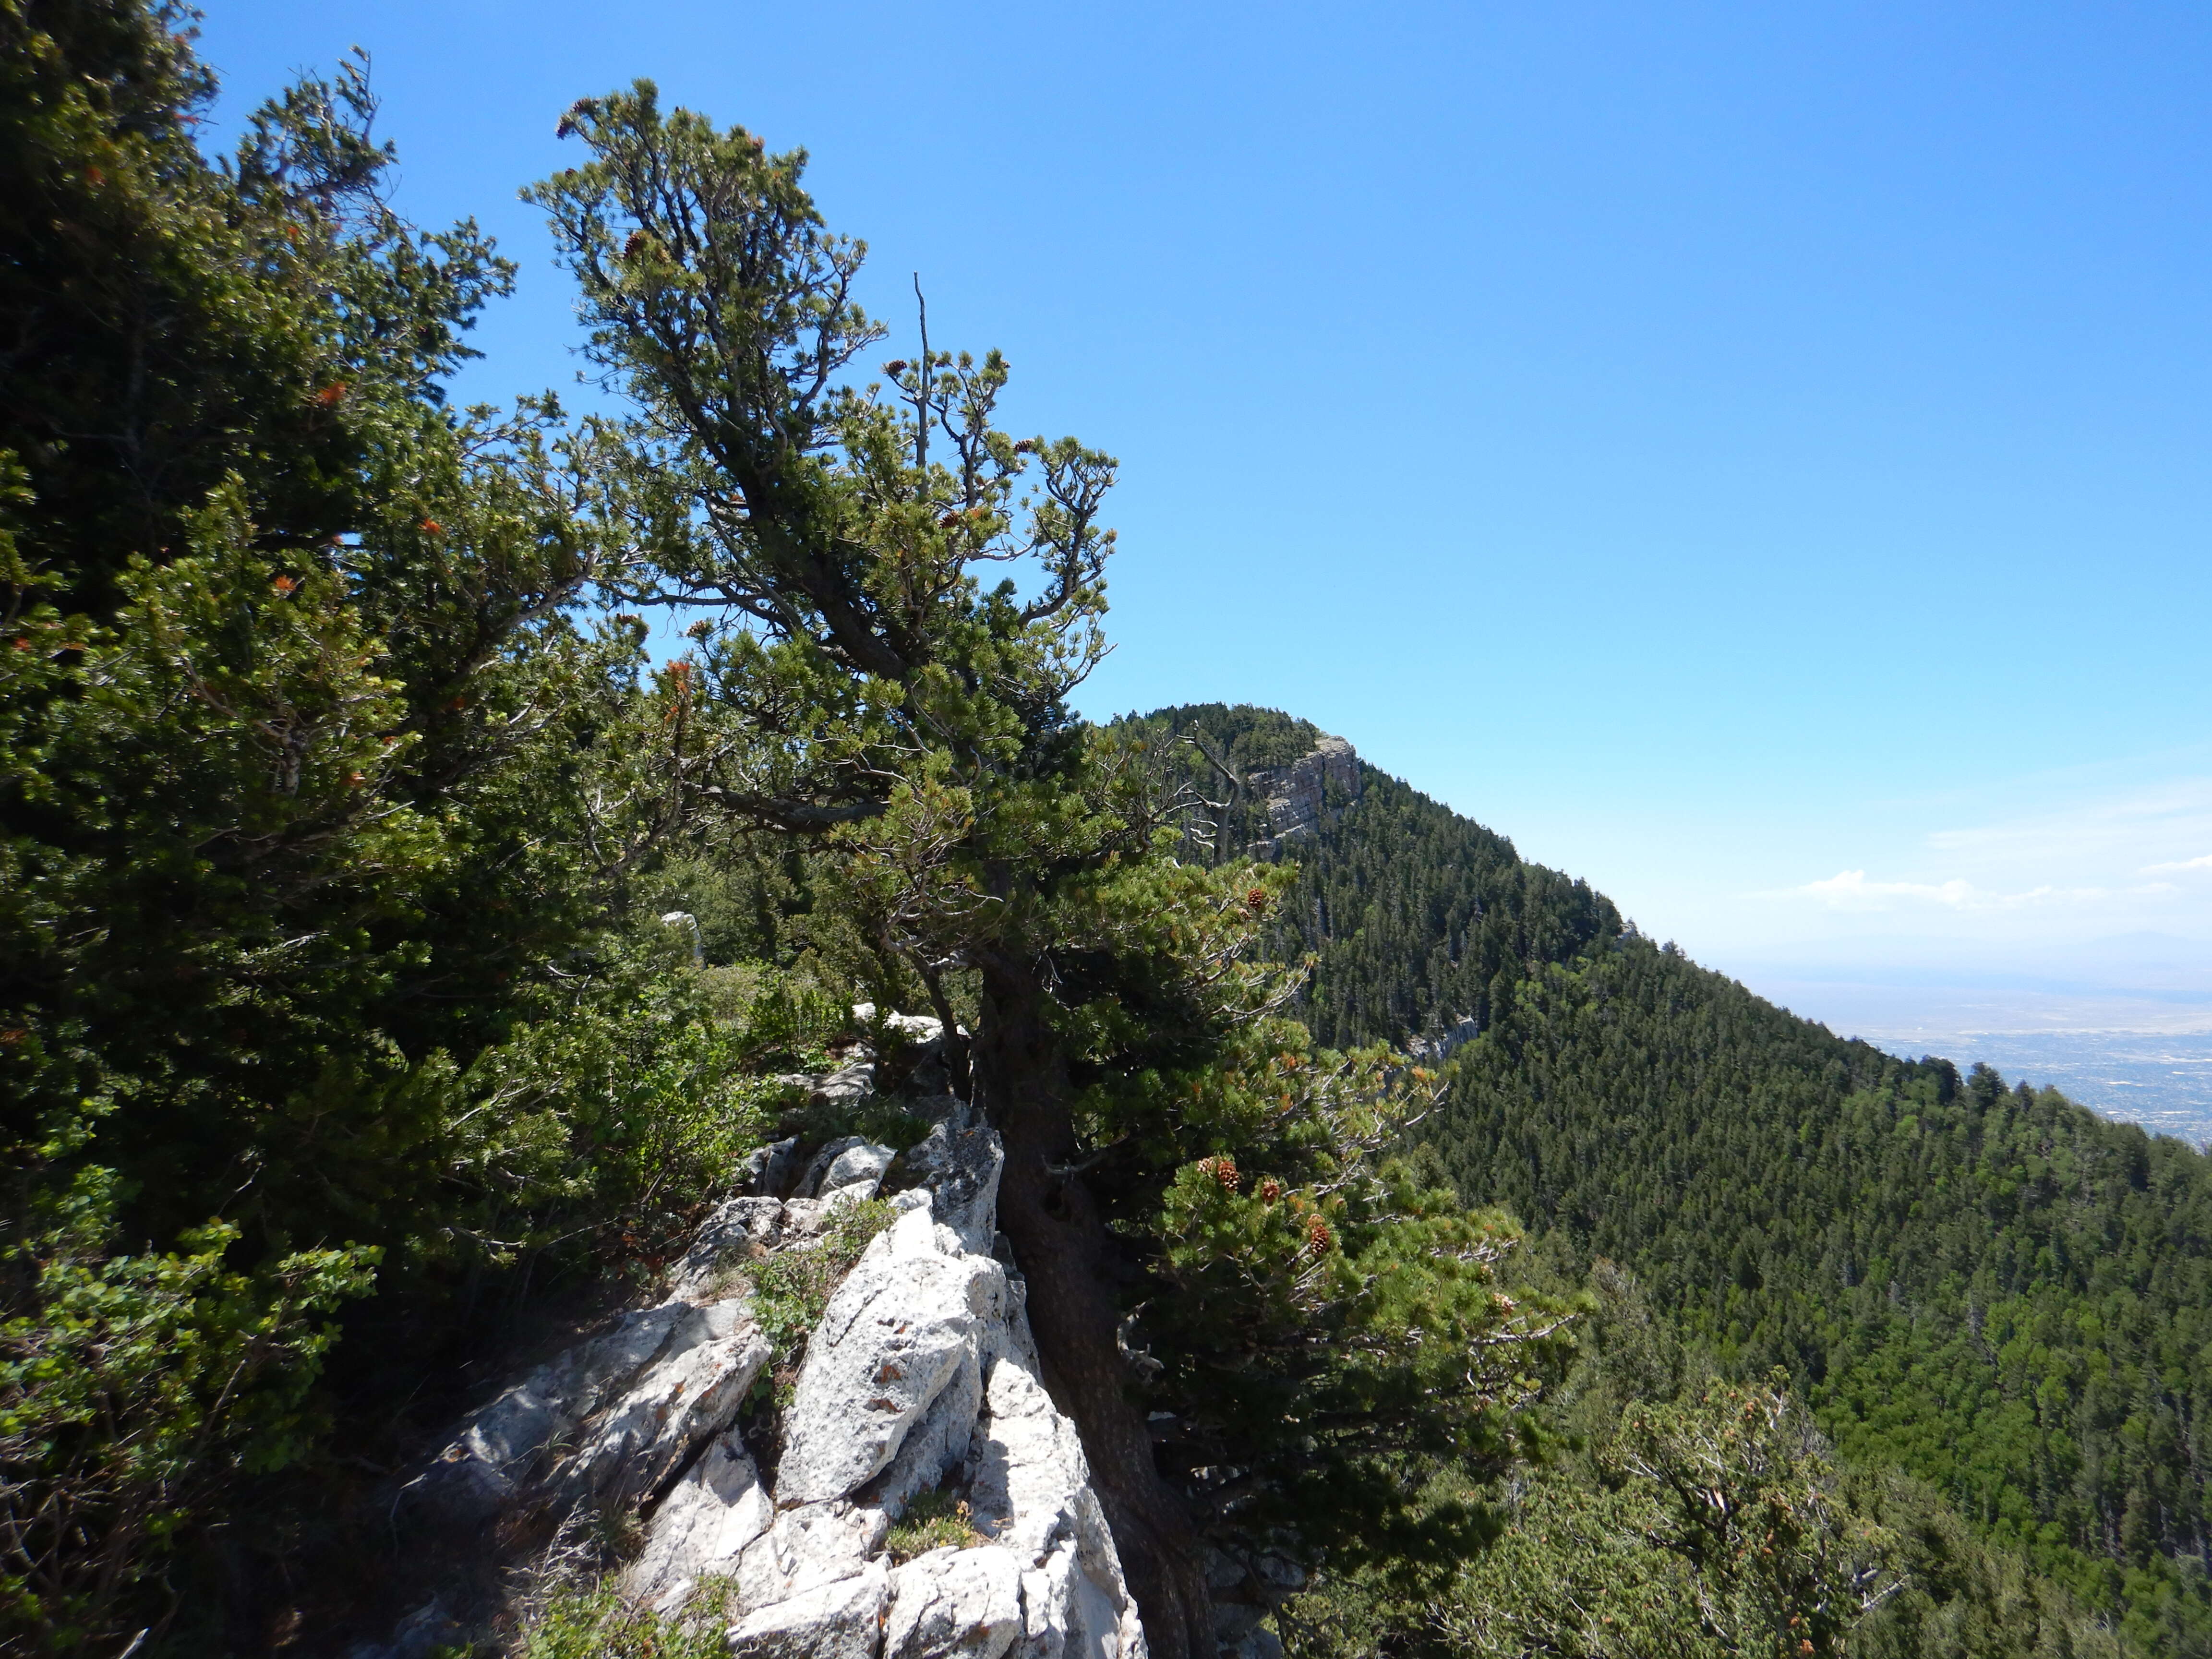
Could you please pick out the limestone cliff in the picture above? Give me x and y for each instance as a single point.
(1298, 798)
(921, 1378)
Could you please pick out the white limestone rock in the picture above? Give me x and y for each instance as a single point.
(738, 1228)
(702, 1526)
(896, 1332)
(915, 1028)
(1030, 1485)
(954, 1601)
(1067, 1613)
(1029, 1463)
(922, 1374)
(962, 1165)
(1298, 796)
(630, 1448)
(839, 1620)
(866, 1161)
(771, 1171)
(1436, 1050)
(857, 1164)
(606, 1422)
(848, 1086)
(807, 1547)
(940, 1441)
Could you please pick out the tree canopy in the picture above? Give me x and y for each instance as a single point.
(337, 789)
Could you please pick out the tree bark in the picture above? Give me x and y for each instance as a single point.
(1060, 1240)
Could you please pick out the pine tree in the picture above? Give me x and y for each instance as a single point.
(873, 677)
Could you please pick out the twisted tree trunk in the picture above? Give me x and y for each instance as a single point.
(1060, 1241)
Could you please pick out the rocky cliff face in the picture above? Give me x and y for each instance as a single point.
(1298, 796)
(918, 1388)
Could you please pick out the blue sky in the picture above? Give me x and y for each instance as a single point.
(1754, 456)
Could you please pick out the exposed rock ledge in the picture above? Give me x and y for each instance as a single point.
(921, 1374)
(1298, 796)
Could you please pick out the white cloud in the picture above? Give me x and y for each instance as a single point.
(2204, 863)
(1850, 889)
(2136, 826)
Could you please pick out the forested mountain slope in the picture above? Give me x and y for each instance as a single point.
(1415, 915)
(1989, 1287)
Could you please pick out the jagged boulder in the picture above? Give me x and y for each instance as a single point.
(920, 1029)
(849, 1161)
(907, 1323)
(739, 1229)
(967, 1602)
(921, 1375)
(808, 1546)
(773, 1170)
(961, 1164)
(629, 1449)
(1029, 1486)
(1297, 796)
(605, 1423)
(708, 1521)
(839, 1620)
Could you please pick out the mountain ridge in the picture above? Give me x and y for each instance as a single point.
(1986, 1287)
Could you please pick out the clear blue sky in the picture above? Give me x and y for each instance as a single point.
(1725, 448)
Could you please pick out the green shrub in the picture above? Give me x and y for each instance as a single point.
(622, 1107)
(933, 1521)
(599, 1623)
(792, 1287)
(132, 1389)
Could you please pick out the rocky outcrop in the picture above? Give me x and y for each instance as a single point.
(909, 1326)
(955, 1601)
(1437, 1047)
(603, 1426)
(1298, 798)
(921, 1378)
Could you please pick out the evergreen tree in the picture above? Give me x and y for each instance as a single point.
(299, 755)
(874, 675)
(1986, 1287)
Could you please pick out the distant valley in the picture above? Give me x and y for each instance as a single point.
(2141, 1058)
(2161, 1080)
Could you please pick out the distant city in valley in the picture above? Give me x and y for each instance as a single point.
(2143, 1055)
(2161, 1080)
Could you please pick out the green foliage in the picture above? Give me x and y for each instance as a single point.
(1989, 1289)
(176, 322)
(626, 1101)
(599, 1623)
(1413, 916)
(312, 793)
(935, 1519)
(1331, 1327)
(1960, 1598)
(1710, 1529)
(290, 793)
(130, 1387)
(874, 684)
(792, 1287)
(1671, 1513)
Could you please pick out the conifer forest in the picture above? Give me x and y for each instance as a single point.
(405, 951)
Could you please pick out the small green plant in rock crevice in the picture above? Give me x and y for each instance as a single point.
(933, 1521)
(792, 1287)
(598, 1623)
(888, 1124)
